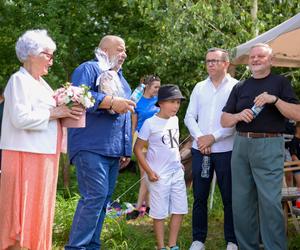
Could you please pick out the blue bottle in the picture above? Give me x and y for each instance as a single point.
(205, 166)
(138, 93)
(256, 110)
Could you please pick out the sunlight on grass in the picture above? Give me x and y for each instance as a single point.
(119, 234)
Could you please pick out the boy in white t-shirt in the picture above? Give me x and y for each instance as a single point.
(165, 176)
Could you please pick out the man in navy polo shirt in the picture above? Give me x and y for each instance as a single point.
(258, 151)
(102, 146)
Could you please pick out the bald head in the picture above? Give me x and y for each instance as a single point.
(109, 40)
(114, 47)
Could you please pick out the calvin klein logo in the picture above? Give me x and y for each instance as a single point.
(171, 138)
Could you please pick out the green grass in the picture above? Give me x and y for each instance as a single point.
(119, 234)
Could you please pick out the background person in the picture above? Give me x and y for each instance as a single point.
(295, 152)
(145, 109)
(30, 140)
(288, 136)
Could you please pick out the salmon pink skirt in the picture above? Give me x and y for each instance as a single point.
(27, 198)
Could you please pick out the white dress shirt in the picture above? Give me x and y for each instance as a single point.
(26, 125)
(204, 112)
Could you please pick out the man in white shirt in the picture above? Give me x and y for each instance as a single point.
(210, 139)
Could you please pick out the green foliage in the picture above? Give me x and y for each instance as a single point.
(125, 181)
(166, 37)
(64, 212)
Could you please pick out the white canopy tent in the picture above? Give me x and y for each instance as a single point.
(284, 40)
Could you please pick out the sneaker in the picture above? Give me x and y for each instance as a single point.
(133, 215)
(174, 248)
(231, 246)
(147, 210)
(197, 245)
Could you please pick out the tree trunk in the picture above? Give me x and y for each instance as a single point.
(254, 17)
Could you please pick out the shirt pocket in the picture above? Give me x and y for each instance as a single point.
(244, 102)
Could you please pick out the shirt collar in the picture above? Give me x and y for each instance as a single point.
(224, 81)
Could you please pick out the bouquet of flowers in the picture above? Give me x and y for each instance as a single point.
(69, 95)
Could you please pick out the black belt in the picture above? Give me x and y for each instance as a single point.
(258, 135)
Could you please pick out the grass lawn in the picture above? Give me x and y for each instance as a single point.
(138, 234)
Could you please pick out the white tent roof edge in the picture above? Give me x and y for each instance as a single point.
(285, 27)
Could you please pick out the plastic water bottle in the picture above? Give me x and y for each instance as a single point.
(256, 110)
(205, 166)
(138, 93)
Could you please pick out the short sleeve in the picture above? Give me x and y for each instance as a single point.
(230, 106)
(145, 131)
(287, 93)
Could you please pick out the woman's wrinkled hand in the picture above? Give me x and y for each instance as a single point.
(63, 111)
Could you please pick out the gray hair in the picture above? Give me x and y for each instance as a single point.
(264, 45)
(33, 42)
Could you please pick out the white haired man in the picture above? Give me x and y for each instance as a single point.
(258, 151)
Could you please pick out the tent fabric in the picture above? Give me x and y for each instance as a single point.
(284, 40)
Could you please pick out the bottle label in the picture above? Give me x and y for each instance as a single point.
(205, 166)
(137, 93)
(256, 110)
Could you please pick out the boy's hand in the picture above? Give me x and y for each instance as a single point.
(153, 176)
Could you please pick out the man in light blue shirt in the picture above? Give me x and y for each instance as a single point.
(102, 146)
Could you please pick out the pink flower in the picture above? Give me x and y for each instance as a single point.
(69, 95)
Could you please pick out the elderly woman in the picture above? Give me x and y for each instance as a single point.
(31, 139)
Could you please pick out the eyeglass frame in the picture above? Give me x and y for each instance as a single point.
(224, 52)
(51, 56)
(214, 61)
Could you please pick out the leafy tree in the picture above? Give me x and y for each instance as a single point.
(166, 37)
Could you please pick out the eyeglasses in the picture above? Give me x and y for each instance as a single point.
(49, 56)
(213, 61)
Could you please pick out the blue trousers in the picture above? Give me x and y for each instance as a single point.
(96, 176)
(220, 162)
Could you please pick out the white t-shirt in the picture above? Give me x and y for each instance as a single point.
(163, 137)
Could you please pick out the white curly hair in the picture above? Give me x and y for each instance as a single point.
(33, 42)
